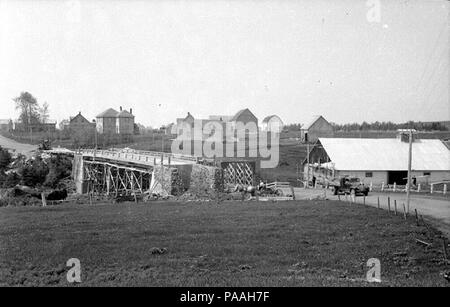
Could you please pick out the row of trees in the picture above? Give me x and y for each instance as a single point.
(30, 110)
(379, 126)
(390, 126)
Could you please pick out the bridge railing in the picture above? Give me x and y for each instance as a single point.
(135, 155)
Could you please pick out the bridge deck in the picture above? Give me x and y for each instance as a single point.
(145, 158)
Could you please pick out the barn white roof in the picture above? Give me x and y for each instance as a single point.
(352, 154)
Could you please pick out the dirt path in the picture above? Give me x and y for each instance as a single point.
(24, 149)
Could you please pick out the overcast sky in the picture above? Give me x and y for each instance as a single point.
(290, 58)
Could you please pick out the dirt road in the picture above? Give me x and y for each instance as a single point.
(24, 149)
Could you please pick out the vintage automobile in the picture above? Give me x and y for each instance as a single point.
(349, 185)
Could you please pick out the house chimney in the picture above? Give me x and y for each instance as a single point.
(131, 111)
(121, 108)
(79, 113)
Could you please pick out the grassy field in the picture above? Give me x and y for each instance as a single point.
(311, 243)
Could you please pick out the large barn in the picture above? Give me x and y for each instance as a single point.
(380, 160)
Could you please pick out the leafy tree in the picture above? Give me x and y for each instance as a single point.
(28, 107)
(44, 113)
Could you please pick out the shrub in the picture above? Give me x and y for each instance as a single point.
(34, 172)
(19, 201)
(5, 158)
(60, 167)
(9, 180)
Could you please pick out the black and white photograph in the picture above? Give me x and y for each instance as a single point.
(224, 150)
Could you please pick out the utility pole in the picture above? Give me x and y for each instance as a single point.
(307, 163)
(95, 148)
(408, 187)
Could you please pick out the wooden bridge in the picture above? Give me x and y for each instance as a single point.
(131, 172)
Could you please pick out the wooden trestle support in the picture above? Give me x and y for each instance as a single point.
(116, 180)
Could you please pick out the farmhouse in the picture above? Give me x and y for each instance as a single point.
(80, 124)
(114, 122)
(379, 160)
(317, 127)
(228, 123)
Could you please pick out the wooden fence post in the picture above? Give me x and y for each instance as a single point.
(444, 242)
(404, 211)
(431, 188)
(378, 202)
(395, 206)
(382, 186)
(389, 204)
(44, 201)
(395, 186)
(371, 186)
(445, 189)
(418, 188)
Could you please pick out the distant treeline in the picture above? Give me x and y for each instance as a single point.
(379, 126)
(389, 126)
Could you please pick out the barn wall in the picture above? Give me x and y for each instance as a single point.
(382, 176)
(377, 176)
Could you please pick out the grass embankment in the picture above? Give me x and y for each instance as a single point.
(303, 243)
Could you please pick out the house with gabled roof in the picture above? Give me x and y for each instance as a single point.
(80, 124)
(317, 127)
(228, 123)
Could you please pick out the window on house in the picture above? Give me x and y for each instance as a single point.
(369, 174)
(426, 173)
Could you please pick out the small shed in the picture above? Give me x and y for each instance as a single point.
(317, 127)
